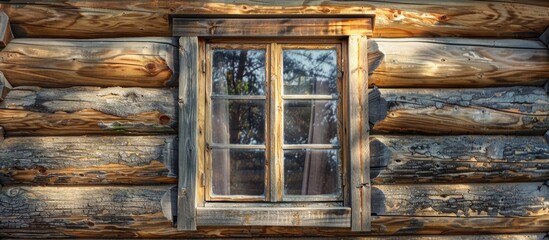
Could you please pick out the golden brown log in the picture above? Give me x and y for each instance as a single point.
(447, 62)
(88, 160)
(458, 159)
(92, 19)
(512, 110)
(129, 212)
(88, 110)
(134, 62)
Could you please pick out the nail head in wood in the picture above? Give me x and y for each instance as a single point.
(5, 30)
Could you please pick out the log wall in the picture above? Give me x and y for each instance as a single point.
(457, 144)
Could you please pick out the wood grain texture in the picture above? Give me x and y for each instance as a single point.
(188, 120)
(131, 212)
(272, 27)
(127, 62)
(88, 110)
(88, 160)
(458, 159)
(92, 19)
(462, 200)
(449, 62)
(511, 110)
(358, 149)
(5, 30)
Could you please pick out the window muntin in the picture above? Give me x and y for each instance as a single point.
(300, 101)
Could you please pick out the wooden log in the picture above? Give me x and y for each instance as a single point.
(130, 212)
(93, 19)
(448, 62)
(512, 110)
(126, 62)
(5, 87)
(5, 30)
(458, 159)
(462, 200)
(88, 110)
(88, 160)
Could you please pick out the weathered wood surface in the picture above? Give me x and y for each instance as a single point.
(449, 62)
(462, 200)
(357, 119)
(511, 110)
(88, 160)
(88, 110)
(458, 159)
(126, 62)
(188, 120)
(5, 30)
(272, 27)
(5, 87)
(92, 19)
(125, 212)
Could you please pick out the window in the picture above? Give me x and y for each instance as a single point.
(275, 116)
(273, 132)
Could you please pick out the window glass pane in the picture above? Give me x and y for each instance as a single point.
(238, 172)
(238, 72)
(310, 72)
(311, 172)
(238, 121)
(310, 122)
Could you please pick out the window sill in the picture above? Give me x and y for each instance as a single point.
(277, 216)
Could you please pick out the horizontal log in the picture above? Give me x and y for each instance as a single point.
(462, 200)
(512, 110)
(92, 19)
(125, 212)
(88, 160)
(450, 62)
(88, 110)
(126, 62)
(458, 159)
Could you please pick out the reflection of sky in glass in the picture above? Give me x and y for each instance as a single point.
(310, 72)
(238, 72)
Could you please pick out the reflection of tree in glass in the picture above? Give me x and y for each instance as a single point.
(310, 71)
(238, 72)
(241, 72)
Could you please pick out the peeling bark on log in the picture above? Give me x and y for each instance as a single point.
(462, 200)
(458, 159)
(125, 212)
(88, 110)
(88, 160)
(126, 62)
(513, 110)
(450, 62)
(92, 19)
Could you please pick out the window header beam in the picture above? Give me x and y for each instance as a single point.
(309, 26)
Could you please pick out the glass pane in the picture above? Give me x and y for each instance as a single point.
(238, 72)
(238, 121)
(238, 172)
(310, 72)
(310, 122)
(311, 172)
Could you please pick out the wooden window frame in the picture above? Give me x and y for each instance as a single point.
(192, 208)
